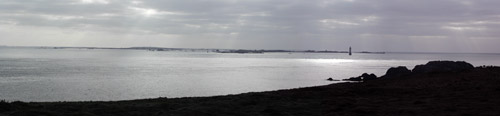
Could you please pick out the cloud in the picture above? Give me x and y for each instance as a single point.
(280, 24)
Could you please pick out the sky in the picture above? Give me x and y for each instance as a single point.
(366, 25)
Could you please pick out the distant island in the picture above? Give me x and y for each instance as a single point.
(435, 88)
(239, 51)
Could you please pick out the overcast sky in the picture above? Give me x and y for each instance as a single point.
(366, 25)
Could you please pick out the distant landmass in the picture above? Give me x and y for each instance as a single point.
(239, 51)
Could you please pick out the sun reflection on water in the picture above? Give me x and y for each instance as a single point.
(331, 60)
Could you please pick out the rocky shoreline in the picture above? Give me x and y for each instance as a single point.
(436, 88)
(430, 67)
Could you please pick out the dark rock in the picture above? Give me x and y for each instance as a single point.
(353, 79)
(363, 77)
(443, 66)
(330, 79)
(367, 77)
(4, 106)
(397, 72)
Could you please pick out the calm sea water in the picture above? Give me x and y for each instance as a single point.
(30, 74)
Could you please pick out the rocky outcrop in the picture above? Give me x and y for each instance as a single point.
(367, 77)
(363, 77)
(430, 67)
(397, 72)
(443, 66)
(331, 79)
(353, 79)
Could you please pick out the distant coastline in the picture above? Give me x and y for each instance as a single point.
(240, 51)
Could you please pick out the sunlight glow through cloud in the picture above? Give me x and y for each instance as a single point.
(94, 1)
(149, 12)
(463, 28)
(369, 18)
(136, 2)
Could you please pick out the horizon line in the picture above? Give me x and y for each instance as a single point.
(401, 52)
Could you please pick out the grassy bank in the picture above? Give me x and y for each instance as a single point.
(474, 92)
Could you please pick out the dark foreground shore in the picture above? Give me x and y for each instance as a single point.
(470, 92)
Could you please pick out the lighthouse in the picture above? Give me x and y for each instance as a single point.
(350, 52)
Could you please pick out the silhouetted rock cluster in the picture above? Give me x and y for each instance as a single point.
(367, 77)
(430, 67)
(443, 66)
(331, 79)
(363, 77)
(397, 71)
(353, 79)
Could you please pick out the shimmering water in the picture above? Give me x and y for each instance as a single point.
(30, 74)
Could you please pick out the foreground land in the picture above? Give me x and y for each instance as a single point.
(472, 92)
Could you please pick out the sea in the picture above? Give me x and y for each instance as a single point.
(43, 75)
